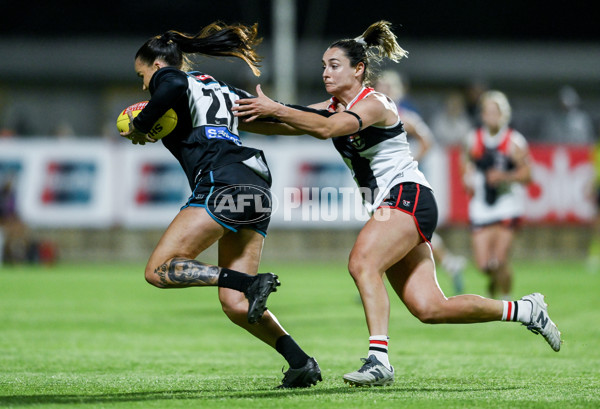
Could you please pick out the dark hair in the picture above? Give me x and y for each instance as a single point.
(215, 39)
(378, 41)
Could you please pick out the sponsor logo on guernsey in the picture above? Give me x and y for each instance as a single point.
(221, 132)
(204, 78)
(356, 141)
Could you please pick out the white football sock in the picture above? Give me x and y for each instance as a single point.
(378, 346)
(517, 311)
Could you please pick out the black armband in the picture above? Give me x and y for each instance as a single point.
(322, 112)
(269, 119)
(354, 114)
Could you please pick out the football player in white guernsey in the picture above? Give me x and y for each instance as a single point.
(496, 168)
(207, 145)
(365, 128)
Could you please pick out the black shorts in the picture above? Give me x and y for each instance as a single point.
(235, 197)
(418, 201)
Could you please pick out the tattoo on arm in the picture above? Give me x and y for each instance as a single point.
(183, 272)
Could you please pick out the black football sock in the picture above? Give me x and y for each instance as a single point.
(292, 353)
(234, 280)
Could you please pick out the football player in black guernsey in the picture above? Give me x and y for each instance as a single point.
(222, 174)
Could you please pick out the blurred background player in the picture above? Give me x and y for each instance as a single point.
(207, 145)
(496, 168)
(472, 92)
(451, 124)
(392, 84)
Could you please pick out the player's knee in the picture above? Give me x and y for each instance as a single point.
(427, 312)
(352, 269)
(153, 278)
(236, 311)
(357, 266)
(493, 265)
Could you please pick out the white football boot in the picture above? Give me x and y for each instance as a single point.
(540, 321)
(372, 373)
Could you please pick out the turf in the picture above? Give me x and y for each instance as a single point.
(97, 336)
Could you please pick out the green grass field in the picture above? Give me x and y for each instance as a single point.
(97, 336)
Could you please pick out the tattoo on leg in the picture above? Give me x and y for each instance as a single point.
(161, 272)
(183, 272)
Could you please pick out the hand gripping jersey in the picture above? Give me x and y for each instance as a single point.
(206, 136)
(378, 157)
(491, 204)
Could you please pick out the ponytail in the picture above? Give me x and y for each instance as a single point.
(215, 40)
(371, 47)
(380, 37)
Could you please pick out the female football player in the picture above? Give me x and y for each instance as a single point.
(366, 130)
(496, 168)
(220, 171)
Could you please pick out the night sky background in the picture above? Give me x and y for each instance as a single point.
(509, 20)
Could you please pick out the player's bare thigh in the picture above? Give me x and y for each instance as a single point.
(190, 233)
(492, 243)
(504, 236)
(414, 280)
(384, 240)
(482, 241)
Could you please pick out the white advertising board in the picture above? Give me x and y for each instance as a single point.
(100, 183)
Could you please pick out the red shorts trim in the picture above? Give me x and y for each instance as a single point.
(417, 201)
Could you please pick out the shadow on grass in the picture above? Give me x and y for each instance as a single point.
(223, 394)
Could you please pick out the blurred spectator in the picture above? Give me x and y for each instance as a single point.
(570, 124)
(63, 129)
(18, 125)
(16, 243)
(6, 209)
(451, 124)
(473, 92)
(11, 229)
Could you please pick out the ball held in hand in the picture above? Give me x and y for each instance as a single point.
(160, 129)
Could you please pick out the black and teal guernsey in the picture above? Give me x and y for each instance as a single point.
(206, 136)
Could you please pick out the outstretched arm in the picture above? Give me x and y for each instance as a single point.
(267, 127)
(311, 123)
